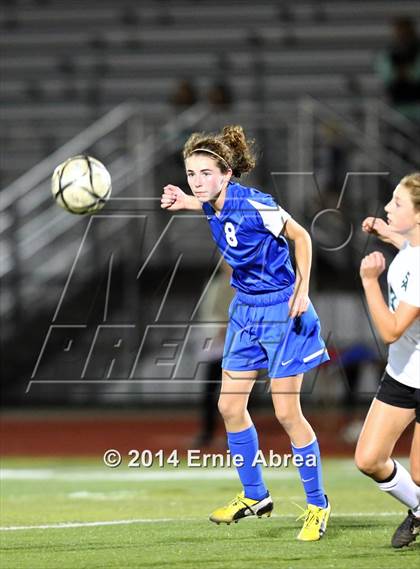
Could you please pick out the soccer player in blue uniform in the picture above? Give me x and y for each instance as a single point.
(272, 323)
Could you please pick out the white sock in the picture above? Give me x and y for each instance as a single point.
(416, 511)
(402, 487)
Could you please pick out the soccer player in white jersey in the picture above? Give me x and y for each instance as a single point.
(397, 401)
(272, 323)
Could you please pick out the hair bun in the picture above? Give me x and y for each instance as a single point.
(230, 148)
(243, 156)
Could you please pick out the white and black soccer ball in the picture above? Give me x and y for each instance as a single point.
(81, 185)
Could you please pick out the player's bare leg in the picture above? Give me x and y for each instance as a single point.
(233, 399)
(383, 426)
(285, 393)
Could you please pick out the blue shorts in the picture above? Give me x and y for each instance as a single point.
(261, 335)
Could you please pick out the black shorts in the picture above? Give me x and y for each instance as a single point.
(397, 394)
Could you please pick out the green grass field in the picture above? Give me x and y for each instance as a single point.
(79, 514)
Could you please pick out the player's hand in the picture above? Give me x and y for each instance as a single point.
(372, 266)
(378, 227)
(173, 198)
(298, 304)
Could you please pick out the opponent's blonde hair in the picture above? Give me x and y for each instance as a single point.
(230, 149)
(412, 183)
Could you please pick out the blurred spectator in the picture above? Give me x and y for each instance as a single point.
(219, 96)
(129, 16)
(333, 159)
(214, 308)
(67, 65)
(399, 68)
(350, 377)
(353, 359)
(184, 96)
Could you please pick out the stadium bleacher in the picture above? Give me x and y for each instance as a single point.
(69, 63)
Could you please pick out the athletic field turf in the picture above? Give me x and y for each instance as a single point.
(69, 514)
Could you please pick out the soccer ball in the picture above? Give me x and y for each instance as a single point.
(81, 185)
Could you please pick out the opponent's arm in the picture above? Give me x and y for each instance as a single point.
(174, 199)
(390, 325)
(303, 254)
(380, 228)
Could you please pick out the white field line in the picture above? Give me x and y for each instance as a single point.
(142, 475)
(69, 525)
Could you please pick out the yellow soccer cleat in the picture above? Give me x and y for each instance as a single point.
(241, 507)
(315, 522)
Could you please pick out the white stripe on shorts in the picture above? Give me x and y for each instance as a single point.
(314, 355)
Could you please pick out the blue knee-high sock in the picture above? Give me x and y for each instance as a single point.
(245, 443)
(311, 473)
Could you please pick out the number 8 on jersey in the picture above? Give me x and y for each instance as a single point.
(230, 234)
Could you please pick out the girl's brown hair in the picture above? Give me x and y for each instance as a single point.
(230, 148)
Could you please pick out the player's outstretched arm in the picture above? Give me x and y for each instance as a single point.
(380, 228)
(174, 199)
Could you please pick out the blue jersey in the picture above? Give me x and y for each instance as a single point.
(248, 234)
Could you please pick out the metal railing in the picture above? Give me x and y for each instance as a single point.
(362, 134)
